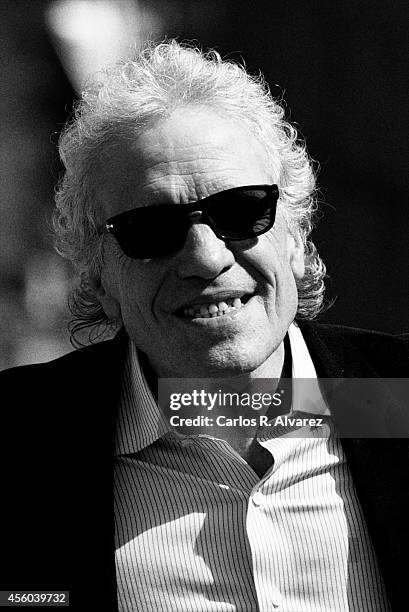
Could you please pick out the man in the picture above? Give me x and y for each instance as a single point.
(186, 206)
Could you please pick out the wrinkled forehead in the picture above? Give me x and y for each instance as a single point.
(187, 157)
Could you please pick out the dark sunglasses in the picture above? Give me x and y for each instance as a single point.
(234, 214)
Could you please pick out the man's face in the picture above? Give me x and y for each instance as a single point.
(192, 155)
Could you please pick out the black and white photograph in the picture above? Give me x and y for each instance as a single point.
(204, 298)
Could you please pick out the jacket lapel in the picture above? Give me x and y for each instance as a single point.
(98, 376)
(379, 467)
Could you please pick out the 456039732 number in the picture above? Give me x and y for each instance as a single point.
(33, 598)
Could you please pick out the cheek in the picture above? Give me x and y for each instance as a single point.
(134, 294)
(278, 271)
(268, 260)
(136, 309)
(135, 284)
(138, 286)
(269, 263)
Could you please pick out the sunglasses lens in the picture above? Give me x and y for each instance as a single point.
(244, 214)
(151, 232)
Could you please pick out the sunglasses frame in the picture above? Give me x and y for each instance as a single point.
(113, 224)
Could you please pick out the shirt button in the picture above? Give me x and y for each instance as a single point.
(187, 442)
(277, 600)
(326, 429)
(258, 498)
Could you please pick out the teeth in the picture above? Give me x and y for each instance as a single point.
(213, 310)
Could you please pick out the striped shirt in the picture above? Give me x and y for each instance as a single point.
(198, 530)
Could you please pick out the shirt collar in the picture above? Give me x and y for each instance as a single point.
(307, 396)
(140, 421)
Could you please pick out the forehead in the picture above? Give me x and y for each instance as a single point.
(189, 156)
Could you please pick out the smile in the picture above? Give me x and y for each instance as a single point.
(215, 309)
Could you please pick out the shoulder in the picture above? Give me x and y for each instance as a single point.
(70, 361)
(68, 398)
(362, 338)
(81, 365)
(386, 354)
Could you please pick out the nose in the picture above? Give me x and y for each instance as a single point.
(203, 254)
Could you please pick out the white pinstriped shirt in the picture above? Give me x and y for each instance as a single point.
(198, 530)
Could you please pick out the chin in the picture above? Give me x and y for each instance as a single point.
(230, 362)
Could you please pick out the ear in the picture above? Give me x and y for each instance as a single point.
(296, 255)
(103, 294)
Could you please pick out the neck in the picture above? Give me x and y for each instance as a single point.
(240, 436)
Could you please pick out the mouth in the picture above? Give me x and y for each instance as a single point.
(214, 309)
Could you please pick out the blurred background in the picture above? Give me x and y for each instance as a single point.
(342, 69)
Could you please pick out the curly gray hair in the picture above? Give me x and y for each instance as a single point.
(135, 94)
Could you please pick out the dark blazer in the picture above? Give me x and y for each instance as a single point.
(58, 441)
